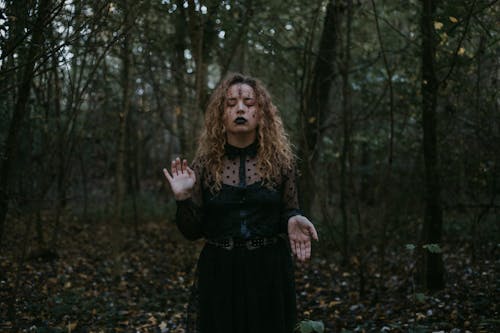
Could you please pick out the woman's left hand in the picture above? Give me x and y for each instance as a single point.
(300, 231)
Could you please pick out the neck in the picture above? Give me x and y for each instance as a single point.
(241, 140)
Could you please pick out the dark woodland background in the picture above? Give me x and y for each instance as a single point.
(393, 110)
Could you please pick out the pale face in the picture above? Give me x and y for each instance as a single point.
(241, 113)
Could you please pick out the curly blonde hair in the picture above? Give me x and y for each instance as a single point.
(274, 152)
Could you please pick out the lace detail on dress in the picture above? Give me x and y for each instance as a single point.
(232, 173)
(240, 166)
(189, 212)
(289, 189)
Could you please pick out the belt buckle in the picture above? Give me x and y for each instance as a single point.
(228, 243)
(253, 244)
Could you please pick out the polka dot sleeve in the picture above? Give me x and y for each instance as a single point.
(188, 216)
(290, 196)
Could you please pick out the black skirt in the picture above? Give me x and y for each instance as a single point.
(243, 291)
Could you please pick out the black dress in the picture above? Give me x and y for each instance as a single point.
(241, 290)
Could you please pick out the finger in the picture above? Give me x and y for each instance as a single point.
(174, 168)
(307, 250)
(297, 248)
(292, 246)
(302, 252)
(184, 165)
(313, 232)
(167, 175)
(178, 165)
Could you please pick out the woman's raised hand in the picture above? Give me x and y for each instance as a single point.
(181, 180)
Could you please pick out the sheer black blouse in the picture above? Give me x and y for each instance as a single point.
(243, 208)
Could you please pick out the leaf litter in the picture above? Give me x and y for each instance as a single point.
(78, 292)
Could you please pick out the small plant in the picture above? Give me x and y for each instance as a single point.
(310, 326)
(432, 248)
(419, 297)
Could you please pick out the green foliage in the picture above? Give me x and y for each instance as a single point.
(410, 247)
(420, 297)
(432, 248)
(310, 326)
(418, 329)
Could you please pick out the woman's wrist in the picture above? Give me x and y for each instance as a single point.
(183, 196)
(293, 212)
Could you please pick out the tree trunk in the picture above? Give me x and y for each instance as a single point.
(20, 109)
(432, 264)
(14, 45)
(117, 236)
(202, 35)
(133, 183)
(179, 63)
(11, 303)
(317, 105)
(61, 189)
(84, 186)
(386, 182)
(346, 141)
(236, 50)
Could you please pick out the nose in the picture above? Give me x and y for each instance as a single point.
(242, 108)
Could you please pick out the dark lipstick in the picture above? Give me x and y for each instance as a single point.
(240, 120)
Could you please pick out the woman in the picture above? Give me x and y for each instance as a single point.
(241, 196)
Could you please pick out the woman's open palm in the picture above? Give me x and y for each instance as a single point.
(300, 232)
(181, 180)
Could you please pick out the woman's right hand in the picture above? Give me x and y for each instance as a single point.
(181, 180)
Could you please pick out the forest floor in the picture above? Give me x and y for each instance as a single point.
(77, 291)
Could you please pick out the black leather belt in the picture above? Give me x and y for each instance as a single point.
(250, 244)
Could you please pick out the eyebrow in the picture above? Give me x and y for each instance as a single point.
(233, 98)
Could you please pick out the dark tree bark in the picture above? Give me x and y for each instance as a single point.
(432, 263)
(20, 108)
(386, 182)
(61, 155)
(234, 58)
(126, 57)
(202, 35)
(85, 186)
(317, 105)
(13, 45)
(179, 63)
(345, 156)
